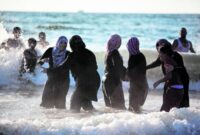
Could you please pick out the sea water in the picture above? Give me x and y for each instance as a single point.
(20, 112)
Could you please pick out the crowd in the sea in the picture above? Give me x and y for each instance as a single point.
(81, 63)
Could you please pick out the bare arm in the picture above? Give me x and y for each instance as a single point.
(4, 44)
(164, 79)
(191, 48)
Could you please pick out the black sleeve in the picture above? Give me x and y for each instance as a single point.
(47, 54)
(118, 63)
(93, 62)
(136, 66)
(154, 64)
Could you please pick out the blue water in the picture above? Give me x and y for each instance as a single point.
(19, 102)
(96, 28)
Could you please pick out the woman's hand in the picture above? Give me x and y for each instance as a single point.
(155, 84)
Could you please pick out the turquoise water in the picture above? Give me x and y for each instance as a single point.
(96, 28)
(19, 102)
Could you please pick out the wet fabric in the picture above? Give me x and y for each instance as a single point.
(138, 82)
(57, 85)
(83, 66)
(172, 98)
(112, 85)
(184, 76)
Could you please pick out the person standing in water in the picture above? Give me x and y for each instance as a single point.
(137, 75)
(30, 58)
(183, 72)
(15, 42)
(83, 66)
(173, 82)
(42, 40)
(114, 74)
(182, 44)
(57, 85)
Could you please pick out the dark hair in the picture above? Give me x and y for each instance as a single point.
(15, 29)
(183, 28)
(163, 42)
(42, 33)
(76, 43)
(32, 40)
(166, 50)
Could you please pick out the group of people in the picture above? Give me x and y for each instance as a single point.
(30, 55)
(82, 64)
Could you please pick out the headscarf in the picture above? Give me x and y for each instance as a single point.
(161, 43)
(114, 43)
(133, 46)
(76, 43)
(57, 54)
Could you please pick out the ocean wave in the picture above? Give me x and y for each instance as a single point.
(56, 27)
(176, 122)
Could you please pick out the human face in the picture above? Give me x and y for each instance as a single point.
(183, 33)
(32, 45)
(42, 37)
(17, 34)
(63, 45)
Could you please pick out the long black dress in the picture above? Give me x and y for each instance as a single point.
(184, 76)
(83, 67)
(112, 84)
(138, 83)
(173, 96)
(57, 85)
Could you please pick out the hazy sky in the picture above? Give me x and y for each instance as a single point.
(119, 6)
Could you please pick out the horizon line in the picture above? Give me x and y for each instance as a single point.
(82, 11)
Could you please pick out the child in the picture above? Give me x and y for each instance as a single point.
(15, 42)
(30, 57)
(137, 75)
(114, 74)
(42, 40)
(174, 86)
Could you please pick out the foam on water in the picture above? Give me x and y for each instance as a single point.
(10, 62)
(19, 104)
(21, 114)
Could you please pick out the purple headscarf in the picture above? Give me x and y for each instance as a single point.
(114, 43)
(133, 46)
(57, 54)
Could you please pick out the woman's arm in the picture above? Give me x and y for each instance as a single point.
(164, 79)
(154, 64)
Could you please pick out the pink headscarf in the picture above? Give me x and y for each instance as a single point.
(133, 46)
(114, 43)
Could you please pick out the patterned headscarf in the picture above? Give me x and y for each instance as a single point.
(57, 54)
(133, 46)
(114, 43)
